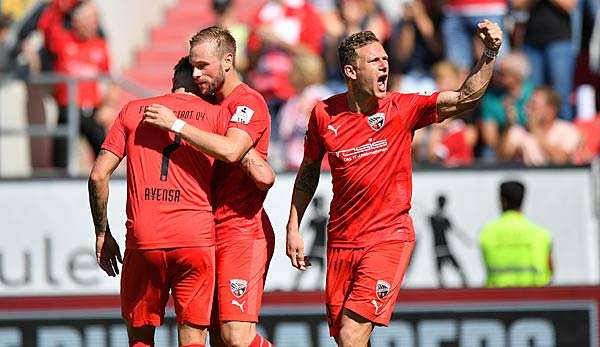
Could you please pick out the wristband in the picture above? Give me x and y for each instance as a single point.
(177, 126)
(490, 53)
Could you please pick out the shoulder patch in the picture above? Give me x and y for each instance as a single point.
(243, 114)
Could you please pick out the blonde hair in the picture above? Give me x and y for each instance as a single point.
(309, 69)
(517, 63)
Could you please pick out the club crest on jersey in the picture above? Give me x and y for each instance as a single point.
(376, 121)
(382, 289)
(238, 287)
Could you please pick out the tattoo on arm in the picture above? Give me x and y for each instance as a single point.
(308, 178)
(98, 197)
(248, 163)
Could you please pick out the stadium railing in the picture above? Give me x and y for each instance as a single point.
(70, 130)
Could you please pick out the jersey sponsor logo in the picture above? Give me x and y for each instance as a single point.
(333, 129)
(426, 93)
(243, 114)
(238, 287)
(382, 289)
(370, 148)
(376, 121)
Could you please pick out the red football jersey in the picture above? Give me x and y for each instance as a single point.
(76, 57)
(168, 180)
(370, 159)
(237, 200)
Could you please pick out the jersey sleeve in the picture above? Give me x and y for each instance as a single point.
(422, 109)
(313, 144)
(117, 137)
(251, 115)
(219, 121)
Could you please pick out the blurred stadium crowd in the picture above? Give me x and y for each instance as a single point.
(541, 108)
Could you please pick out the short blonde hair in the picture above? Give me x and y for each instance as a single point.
(517, 63)
(309, 69)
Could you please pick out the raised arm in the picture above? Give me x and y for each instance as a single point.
(258, 170)
(305, 186)
(107, 249)
(466, 98)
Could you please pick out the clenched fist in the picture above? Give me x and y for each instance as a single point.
(491, 34)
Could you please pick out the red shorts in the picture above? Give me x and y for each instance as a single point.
(149, 275)
(365, 281)
(242, 267)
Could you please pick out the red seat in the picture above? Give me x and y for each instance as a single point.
(153, 68)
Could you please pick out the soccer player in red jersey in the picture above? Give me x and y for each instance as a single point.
(366, 134)
(245, 238)
(170, 228)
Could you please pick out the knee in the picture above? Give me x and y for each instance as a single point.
(236, 337)
(349, 337)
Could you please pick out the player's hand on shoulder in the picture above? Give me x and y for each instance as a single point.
(108, 253)
(491, 34)
(295, 249)
(159, 116)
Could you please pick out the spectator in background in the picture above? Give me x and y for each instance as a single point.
(360, 15)
(352, 16)
(459, 24)
(516, 252)
(504, 105)
(5, 23)
(308, 77)
(451, 143)
(549, 140)
(34, 59)
(81, 53)
(31, 58)
(226, 18)
(549, 47)
(415, 47)
(281, 30)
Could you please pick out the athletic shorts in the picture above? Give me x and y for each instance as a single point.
(242, 267)
(149, 275)
(365, 281)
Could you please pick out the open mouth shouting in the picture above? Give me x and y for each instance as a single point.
(382, 82)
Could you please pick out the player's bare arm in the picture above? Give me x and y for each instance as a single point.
(230, 148)
(305, 186)
(107, 249)
(258, 170)
(455, 103)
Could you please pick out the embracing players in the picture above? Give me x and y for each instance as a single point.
(244, 235)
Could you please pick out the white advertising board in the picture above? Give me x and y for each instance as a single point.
(46, 234)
